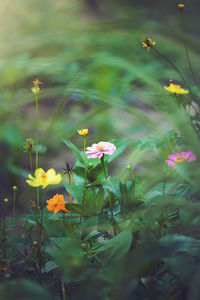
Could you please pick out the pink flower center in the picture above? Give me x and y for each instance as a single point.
(180, 159)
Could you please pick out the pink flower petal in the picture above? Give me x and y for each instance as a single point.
(186, 154)
(171, 163)
(193, 158)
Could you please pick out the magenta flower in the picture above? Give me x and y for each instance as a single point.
(179, 158)
(97, 150)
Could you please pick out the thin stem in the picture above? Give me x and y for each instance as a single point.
(164, 187)
(37, 130)
(41, 229)
(14, 202)
(4, 230)
(85, 179)
(31, 164)
(37, 138)
(70, 197)
(109, 197)
(186, 49)
(173, 66)
(63, 288)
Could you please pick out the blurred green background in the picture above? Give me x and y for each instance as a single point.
(95, 75)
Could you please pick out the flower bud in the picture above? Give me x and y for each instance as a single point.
(15, 188)
(5, 200)
(84, 246)
(35, 89)
(29, 145)
(129, 167)
(90, 165)
(35, 243)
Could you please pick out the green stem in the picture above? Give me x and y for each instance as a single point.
(173, 66)
(4, 231)
(37, 131)
(14, 203)
(37, 138)
(63, 288)
(40, 234)
(85, 179)
(31, 165)
(109, 197)
(70, 197)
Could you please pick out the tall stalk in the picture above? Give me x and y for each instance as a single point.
(14, 200)
(70, 197)
(4, 228)
(109, 197)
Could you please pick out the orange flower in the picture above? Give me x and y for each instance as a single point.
(57, 203)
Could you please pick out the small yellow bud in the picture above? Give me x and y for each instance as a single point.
(35, 89)
(29, 145)
(35, 243)
(128, 167)
(181, 7)
(84, 245)
(15, 188)
(83, 132)
(5, 200)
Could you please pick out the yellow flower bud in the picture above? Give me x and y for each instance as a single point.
(35, 89)
(83, 132)
(29, 145)
(15, 188)
(5, 200)
(35, 243)
(128, 167)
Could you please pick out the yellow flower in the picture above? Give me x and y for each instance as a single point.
(43, 178)
(148, 43)
(181, 7)
(83, 132)
(175, 89)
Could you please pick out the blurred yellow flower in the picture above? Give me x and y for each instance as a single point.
(148, 43)
(83, 132)
(175, 89)
(43, 178)
(181, 7)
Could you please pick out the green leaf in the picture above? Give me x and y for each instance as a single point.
(117, 246)
(74, 149)
(23, 290)
(121, 145)
(49, 266)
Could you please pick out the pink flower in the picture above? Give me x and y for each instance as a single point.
(97, 150)
(179, 158)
